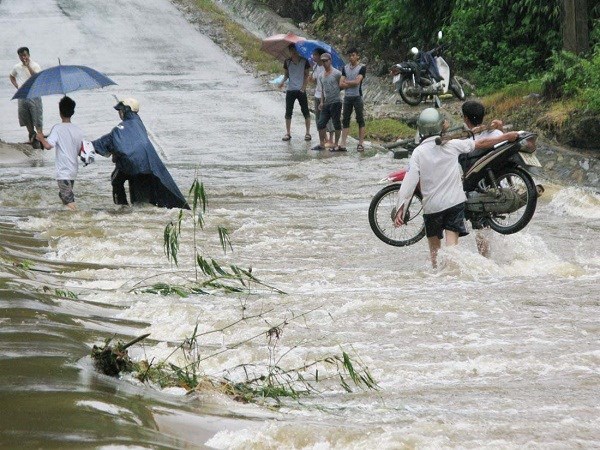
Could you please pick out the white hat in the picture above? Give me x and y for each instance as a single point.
(131, 102)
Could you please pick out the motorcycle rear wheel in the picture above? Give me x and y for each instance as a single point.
(457, 89)
(520, 181)
(382, 211)
(407, 82)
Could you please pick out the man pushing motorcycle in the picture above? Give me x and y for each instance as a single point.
(435, 166)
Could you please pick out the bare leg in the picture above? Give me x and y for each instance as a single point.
(345, 132)
(361, 135)
(307, 124)
(322, 137)
(71, 206)
(288, 126)
(337, 137)
(451, 238)
(483, 245)
(434, 245)
(330, 139)
(30, 133)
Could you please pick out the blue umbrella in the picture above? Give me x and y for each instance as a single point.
(307, 47)
(60, 80)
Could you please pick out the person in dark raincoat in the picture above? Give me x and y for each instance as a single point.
(136, 161)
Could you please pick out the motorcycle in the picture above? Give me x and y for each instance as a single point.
(429, 75)
(500, 193)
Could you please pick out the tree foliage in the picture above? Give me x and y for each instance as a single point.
(493, 42)
(502, 41)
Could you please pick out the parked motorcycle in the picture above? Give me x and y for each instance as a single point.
(428, 75)
(500, 193)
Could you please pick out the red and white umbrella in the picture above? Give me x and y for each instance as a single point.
(277, 45)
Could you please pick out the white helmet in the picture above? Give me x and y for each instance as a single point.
(132, 103)
(430, 122)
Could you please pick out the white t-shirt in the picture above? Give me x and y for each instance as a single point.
(317, 72)
(21, 73)
(488, 134)
(436, 168)
(66, 138)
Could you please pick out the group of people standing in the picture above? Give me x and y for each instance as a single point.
(332, 114)
(135, 158)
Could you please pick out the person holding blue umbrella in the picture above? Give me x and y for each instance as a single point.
(30, 109)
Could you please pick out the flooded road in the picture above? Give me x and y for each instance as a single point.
(483, 353)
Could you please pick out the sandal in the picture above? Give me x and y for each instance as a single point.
(286, 137)
(318, 147)
(360, 148)
(338, 149)
(307, 137)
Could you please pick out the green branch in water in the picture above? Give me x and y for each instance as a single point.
(217, 277)
(261, 383)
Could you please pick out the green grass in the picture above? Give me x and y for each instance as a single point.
(383, 130)
(240, 41)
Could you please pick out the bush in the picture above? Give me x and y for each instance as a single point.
(502, 42)
(574, 77)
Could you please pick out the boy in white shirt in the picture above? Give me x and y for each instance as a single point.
(66, 138)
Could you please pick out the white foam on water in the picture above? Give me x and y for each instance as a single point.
(113, 410)
(480, 353)
(576, 202)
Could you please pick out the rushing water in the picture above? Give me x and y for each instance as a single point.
(483, 353)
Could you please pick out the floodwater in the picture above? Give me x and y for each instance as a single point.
(482, 353)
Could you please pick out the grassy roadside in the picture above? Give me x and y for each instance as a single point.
(522, 105)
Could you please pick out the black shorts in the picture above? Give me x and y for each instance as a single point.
(357, 104)
(451, 219)
(290, 98)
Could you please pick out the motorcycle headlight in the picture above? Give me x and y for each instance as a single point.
(528, 145)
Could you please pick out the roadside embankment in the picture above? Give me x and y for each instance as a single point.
(565, 165)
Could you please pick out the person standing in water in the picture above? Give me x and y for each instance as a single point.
(137, 162)
(318, 70)
(66, 138)
(437, 170)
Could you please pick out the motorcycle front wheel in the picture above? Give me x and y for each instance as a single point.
(407, 82)
(382, 212)
(521, 182)
(457, 89)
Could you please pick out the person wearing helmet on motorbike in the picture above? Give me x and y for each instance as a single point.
(137, 162)
(435, 167)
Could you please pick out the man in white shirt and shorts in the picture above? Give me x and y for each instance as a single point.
(30, 109)
(437, 170)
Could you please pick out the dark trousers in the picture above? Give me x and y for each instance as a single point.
(118, 179)
(290, 98)
(357, 104)
(331, 111)
(142, 188)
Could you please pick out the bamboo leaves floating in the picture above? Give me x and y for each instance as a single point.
(208, 273)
